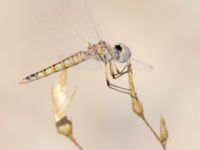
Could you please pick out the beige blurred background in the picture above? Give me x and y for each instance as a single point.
(166, 34)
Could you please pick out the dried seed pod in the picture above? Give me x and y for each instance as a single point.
(60, 102)
(64, 127)
(163, 131)
(137, 107)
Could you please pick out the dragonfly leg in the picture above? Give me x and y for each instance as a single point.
(114, 71)
(113, 86)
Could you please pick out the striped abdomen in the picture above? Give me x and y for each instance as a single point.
(63, 64)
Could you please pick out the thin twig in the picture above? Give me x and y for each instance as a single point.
(76, 143)
(153, 131)
(139, 110)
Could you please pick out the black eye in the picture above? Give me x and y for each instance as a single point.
(118, 48)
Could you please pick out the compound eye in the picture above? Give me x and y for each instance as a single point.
(123, 53)
(118, 48)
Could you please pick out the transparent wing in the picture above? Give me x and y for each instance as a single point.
(64, 17)
(140, 65)
(91, 65)
(67, 20)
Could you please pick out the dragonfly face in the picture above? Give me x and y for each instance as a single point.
(122, 53)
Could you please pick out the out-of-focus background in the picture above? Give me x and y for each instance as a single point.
(165, 34)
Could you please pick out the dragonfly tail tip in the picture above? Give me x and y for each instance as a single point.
(23, 82)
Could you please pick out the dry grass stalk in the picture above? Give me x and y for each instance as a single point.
(138, 109)
(60, 102)
(163, 131)
(64, 126)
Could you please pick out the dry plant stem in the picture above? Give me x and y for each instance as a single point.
(153, 131)
(75, 142)
(138, 108)
(60, 102)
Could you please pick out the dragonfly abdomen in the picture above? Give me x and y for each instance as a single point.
(63, 64)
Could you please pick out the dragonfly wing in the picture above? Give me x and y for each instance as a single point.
(140, 65)
(65, 22)
(64, 17)
(91, 65)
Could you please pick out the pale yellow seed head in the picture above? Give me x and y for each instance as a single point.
(137, 107)
(60, 103)
(59, 94)
(163, 131)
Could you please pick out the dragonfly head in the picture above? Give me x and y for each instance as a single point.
(122, 53)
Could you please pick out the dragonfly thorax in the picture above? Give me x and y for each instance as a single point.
(103, 50)
(106, 53)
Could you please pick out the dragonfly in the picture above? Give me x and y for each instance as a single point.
(110, 55)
